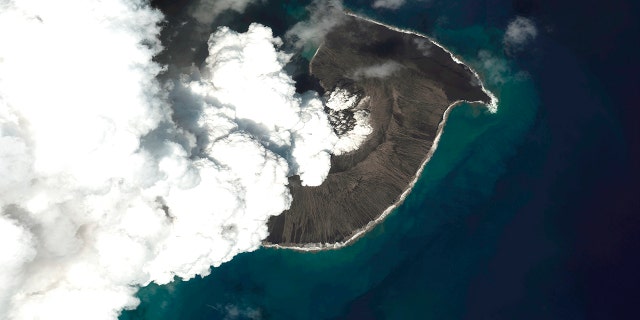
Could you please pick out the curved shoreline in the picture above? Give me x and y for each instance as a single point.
(492, 107)
(358, 233)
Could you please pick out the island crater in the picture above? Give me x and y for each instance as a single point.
(406, 84)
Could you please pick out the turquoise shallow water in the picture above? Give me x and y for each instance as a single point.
(441, 254)
(287, 284)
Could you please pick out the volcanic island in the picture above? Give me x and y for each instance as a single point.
(405, 84)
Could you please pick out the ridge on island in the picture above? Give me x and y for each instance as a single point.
(407, 84)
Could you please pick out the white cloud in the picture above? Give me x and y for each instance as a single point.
(380, 71)
(18, 250)
(341, 99)
(388, 4)
(354, 138)
(101, 190)
(497, 70)
(246, 85)
(324, 16)
(519, 33)
(423, 45)
(351, 137)
(205, 11)
(233, 311)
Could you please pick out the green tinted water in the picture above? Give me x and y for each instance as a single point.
(419, 260)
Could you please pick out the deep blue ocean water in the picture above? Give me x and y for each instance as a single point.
(530, 213)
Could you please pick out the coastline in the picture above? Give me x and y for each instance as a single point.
(360, 232)
(492, 107)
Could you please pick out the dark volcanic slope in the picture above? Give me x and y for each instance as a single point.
(405, 111)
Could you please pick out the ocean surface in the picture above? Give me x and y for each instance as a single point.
(529, 213)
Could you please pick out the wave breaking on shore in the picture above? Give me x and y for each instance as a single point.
(492, 107)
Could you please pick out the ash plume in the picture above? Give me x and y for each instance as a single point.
(111, 179)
